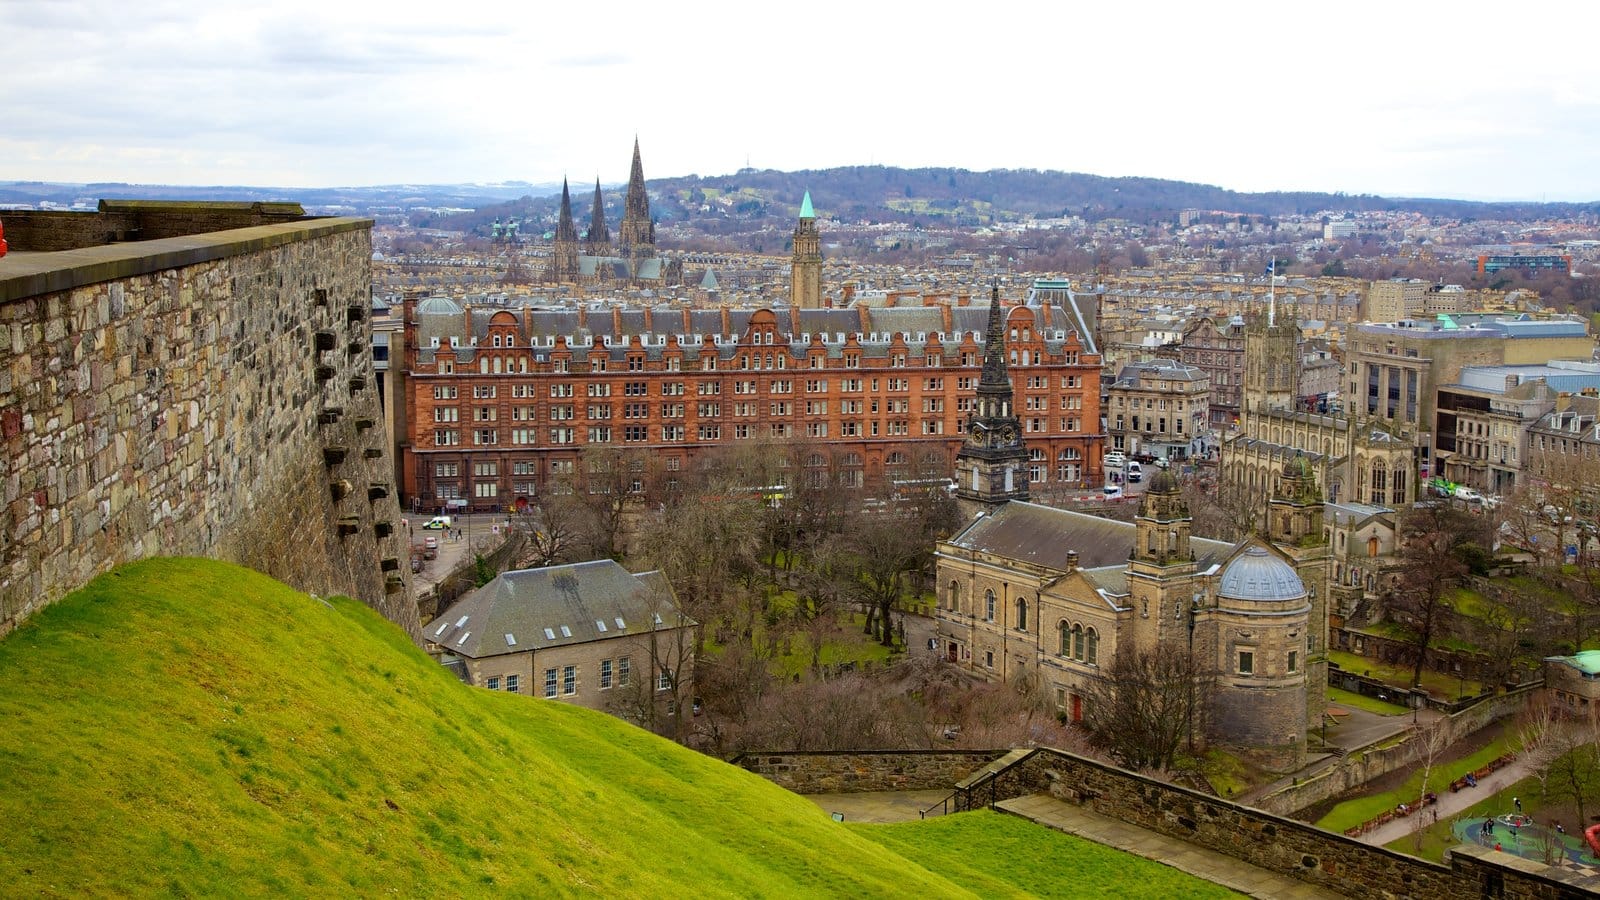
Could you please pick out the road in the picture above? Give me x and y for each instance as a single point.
(478, 530)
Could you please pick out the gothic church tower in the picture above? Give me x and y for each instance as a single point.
(598, 241)
(564, 253)
(992, 466)
(637, 235)
(805, 270)
(1271, 365)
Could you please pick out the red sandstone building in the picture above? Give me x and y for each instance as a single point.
(500, 402)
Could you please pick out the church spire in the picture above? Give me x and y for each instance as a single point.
(599, 240)
(564, 251)
(637, 234)
(995, 376)
(565, 230)
(992, 465)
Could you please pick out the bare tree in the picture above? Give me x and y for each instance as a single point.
(884, 550)
(1147, 704)
(1432, 539)
(1428, 744)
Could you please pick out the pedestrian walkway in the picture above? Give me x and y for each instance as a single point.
(1179, 854)
(1452, 803)
(880, 806)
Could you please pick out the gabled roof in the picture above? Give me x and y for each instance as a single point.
(1042, 536)
(535, 609)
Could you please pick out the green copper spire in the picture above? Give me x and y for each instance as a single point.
(805, 207)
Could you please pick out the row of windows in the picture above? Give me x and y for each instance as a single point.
(605, 434)
(774, 385)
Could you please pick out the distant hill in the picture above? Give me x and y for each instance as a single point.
(753, 199)
(188, 727)
(358, 199)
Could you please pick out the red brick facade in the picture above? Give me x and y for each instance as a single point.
(507, 413)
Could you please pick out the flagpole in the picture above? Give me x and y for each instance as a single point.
(1272, 290)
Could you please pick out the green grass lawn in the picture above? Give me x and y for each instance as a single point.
(189, 727)
(1227, 774)
(1370, 704)
(1353, 812)
(997, 855)
(1439, 684)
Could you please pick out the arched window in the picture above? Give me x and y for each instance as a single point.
(1022, 614)
(988, 606)
(1380, 482)
(1065, 634)
(1092, 652)
(955, 595)
(1077, 642)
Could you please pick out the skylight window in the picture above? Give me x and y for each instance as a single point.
(565, 631)
(442, 627)
(600, 624)
(511, 639)
(658, 619)
(620, 623)
(463, 639)
(461, 621)
(549, 634)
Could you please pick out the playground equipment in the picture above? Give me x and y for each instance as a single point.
(1591, 836)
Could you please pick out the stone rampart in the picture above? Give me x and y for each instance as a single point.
(208, 395)
(1269, 841)
(857, 771)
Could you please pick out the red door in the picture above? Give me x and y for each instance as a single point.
(1077, 708)
(954, 651)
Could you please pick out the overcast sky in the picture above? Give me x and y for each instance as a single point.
(1403, 98)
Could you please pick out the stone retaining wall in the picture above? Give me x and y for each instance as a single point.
(210, 395)
(858, 771)
(1272, 842)
(1367, 763)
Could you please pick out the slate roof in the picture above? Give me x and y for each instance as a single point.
(536, 609)
(1042, 535)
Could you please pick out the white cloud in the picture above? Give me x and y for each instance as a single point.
(1412, 99)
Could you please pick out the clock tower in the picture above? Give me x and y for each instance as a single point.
(992, 466)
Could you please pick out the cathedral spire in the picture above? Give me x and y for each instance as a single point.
(564, 251)
(637, 234)
(599, 236)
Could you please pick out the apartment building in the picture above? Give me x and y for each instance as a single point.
(501, 401)
(1158, 408)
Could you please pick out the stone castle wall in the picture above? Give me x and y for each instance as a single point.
(1272, 842)
(210, 395)
(857, 771)
(1332, 861)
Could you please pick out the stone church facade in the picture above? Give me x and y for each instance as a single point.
(1031, 592)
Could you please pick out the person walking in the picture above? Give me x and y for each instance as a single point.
(1517, 802)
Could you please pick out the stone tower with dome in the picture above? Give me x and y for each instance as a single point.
(1254, 626)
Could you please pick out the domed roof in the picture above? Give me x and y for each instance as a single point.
(1259, 575)
(1164, 483)
(438, 306)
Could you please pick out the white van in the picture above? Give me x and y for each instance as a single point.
(1135, 472)
(1115, 459)
(437, 523)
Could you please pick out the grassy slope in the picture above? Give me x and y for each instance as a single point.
(191, 727)
(997, 855)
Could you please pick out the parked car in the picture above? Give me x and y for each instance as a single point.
(1111, 492)
(431, 542)
(1470, 495)
(1115, 460)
